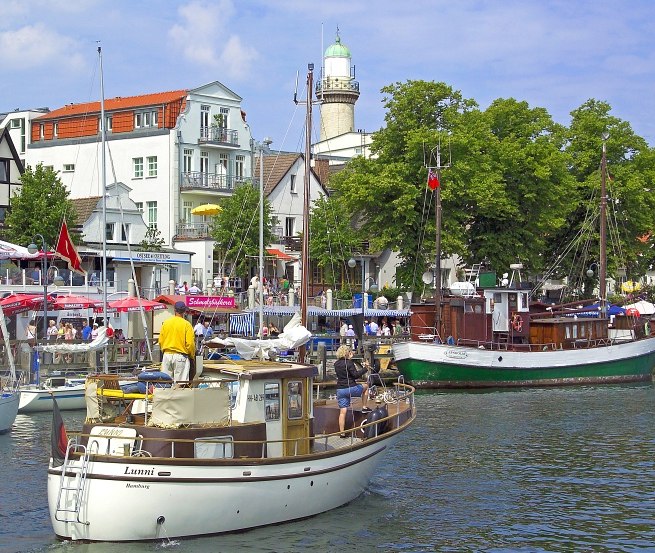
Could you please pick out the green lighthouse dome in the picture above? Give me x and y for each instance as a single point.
(337, 50)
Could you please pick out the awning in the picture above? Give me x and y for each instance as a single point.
(280, 254)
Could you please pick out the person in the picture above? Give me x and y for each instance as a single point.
(208, 332)
(30, 333)
(52, 330)
(273, 331)
(350, 334)
(86, 332)
(397, 328)
(342, 331)
(199, 333)
(94, 331)
(347, 387)
(373, 328)
(62, 330)
(176, 340)
(194, 290)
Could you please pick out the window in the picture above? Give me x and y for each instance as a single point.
(216, 447)
(238, 168)
(137, 164)
(293, 184)
(139, 206)
(294, 399)
(41, 131)
(204, 162)
(15, 123)
(223, 161)
(152, 166)
(152, 214)
(272, 401)
(290, 226)
(109, 123)
(69, 167)
(125, 232)
(109, 231)
(4, 170)
(145, 119)
(186, 211)
(188, 158)
(55, 129)
(204, 121)
(223, 119)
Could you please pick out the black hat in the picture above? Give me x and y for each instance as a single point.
(180, 307)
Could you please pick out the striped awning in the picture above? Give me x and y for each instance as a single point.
(321, 312)
(242, 323)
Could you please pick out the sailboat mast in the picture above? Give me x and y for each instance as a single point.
(602, 265)
(103, 230)
(437, 260)
(304, 283)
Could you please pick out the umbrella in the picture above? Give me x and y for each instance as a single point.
(19, 303)
(14, 251)
(207, 209)
(643, 307)
(74, 302)
(131, 304)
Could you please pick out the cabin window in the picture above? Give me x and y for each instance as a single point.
(294, 399)
(233, 387)
(523, 301)
(498, 297)
(272, 401)
(582, 330)
(567, 332)
(215, 447)
(477, 308)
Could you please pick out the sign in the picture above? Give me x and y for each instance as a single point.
(210, 302)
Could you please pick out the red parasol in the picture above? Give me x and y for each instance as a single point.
(74, 302)
(19, 303)
(131, 304)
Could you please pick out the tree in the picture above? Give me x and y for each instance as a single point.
(152, 241)
(333, 237)
(236, 228)
(39, 208)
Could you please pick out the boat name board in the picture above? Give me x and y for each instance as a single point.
(455, 354)
(139, 471)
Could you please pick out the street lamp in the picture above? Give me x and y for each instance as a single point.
(352, 263)
(58, 281)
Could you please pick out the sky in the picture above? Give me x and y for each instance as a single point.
(553, 54)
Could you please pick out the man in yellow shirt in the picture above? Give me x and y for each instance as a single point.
(178, 344)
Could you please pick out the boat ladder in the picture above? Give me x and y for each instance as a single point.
(474, 274)
(72, 492)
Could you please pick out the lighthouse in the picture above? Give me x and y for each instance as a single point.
(337, 91)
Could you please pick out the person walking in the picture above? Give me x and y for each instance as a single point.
(199, 332)
(176, 340)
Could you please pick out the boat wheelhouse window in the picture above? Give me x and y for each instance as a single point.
(498, 297)
(233, 386)
(523, 301)
(214, 447)
(272, 401)
(567, 332)
(477, 308)
(294, 399)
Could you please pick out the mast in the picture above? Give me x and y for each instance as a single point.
(602, 265)
(437, 242)
(103, 230)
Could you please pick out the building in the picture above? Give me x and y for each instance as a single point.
(11, 168)
(175, 150)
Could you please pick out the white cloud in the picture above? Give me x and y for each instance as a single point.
(35, 46)
(205, 39)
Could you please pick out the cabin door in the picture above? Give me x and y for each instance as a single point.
(500, 313)
(295, 415)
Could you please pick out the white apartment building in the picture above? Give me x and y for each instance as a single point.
(174, 151)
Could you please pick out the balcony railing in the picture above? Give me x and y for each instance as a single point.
(195, 180)
(192, 231)
(338, 83)
(219, 136)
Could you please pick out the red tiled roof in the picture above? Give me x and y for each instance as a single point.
(119, 103)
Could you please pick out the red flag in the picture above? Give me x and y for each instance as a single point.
(58, 436)
(433, 180)
(66, 250)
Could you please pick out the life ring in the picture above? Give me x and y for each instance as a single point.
(517, 322)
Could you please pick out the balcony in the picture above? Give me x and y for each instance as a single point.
(192, 231)
(218, 136)
(211, 182)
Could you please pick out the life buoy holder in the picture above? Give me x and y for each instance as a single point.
(517, 322)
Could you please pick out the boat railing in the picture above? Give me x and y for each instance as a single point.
(226, 449)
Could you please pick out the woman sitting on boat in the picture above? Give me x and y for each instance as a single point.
(347, 387)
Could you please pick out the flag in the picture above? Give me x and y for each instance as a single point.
(66, 250)
(433, 180)
(58, 437)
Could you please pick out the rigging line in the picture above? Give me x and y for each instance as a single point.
(422, 232)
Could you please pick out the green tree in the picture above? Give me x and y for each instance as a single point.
(236, 228)
(39, 208)
(332, 237)
(152, 241)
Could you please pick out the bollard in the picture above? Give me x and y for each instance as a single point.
(321, 355)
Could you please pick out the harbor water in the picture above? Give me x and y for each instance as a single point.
(570, 469)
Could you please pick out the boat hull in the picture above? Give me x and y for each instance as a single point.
(35, 399)
(134, 500)
(8, 410)
(444, 366)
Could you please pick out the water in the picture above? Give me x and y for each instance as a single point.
(528, 471)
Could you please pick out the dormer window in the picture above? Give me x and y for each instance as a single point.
(145, 119)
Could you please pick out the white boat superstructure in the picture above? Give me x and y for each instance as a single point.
(244, 446)
(9, 390)
(38, 397)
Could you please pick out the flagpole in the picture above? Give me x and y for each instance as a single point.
(103, 230)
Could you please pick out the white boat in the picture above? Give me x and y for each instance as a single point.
(38, 397)
(8, 409)
(244, 447)
(9, 390)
